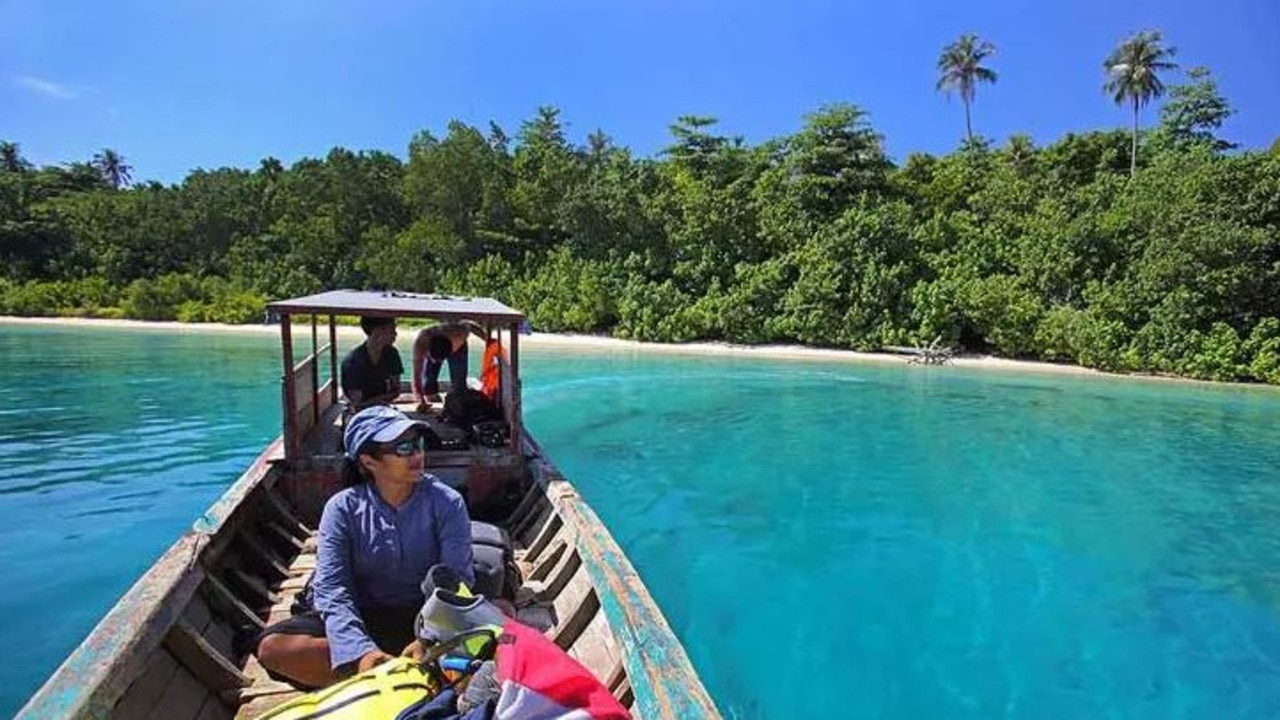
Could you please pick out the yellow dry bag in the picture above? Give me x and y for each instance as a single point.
(386, 692)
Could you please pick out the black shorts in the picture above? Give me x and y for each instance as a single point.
(391, 628)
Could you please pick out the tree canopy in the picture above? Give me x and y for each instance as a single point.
(1072, 251)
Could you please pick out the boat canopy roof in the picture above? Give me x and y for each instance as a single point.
(393, 303)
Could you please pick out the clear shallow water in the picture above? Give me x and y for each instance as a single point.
(828, 540)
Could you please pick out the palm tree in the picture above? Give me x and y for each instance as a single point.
(1132, 76)
(960, 68)
(11, 157)
(112, 166)
(271, 168)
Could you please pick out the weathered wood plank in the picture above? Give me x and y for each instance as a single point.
(259, 705)
(534, 521)
(541, 571)
(625, 694)
(145, 692)
(595, 647)
(214, 709)
(182, 700)
(255, 585)
(543, 539)
(285, 512)
(228, 603)
(302, 381)
(263, 693)
(253, 670)
(263, 553)
(278, 613)
(220, 636)
(615, 677)
(325, 396)
(519, 516)
(310, 485)
(576, 618)
(197, 613)
(202, 659)
(282, 534)
(306, 562)
(92, 679)
(294, 583)
(560, 578)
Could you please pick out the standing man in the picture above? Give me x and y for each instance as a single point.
(371, 372)
(435, 346)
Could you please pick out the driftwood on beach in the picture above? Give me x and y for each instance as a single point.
(935, 353)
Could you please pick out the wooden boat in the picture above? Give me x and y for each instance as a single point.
(168, 650)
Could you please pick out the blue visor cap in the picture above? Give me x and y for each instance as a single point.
(379, 423)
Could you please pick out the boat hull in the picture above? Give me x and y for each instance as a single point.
(172, 646)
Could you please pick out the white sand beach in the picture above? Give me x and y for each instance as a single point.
(571, 342)
(597, 343)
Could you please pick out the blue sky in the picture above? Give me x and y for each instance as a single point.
(206, 83)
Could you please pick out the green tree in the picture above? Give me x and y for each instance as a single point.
(112, 167)
(1195, 110)
(1133, 76)
(599, 146)
(836, 158)
(218, 206)
(546, 171)
(415, 259)
(694, 146)
(447, 180)
(960, 69)
(11, 159)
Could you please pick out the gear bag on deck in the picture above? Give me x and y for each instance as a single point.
(464, 407)
(394, 690)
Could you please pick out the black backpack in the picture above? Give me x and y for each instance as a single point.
(464, 407)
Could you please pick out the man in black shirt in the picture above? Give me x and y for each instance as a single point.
(371, 372)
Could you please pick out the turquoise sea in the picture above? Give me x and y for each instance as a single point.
(829, 540)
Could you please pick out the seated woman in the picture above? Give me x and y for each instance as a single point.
(378, 539)
(434, 347)
(371, 371)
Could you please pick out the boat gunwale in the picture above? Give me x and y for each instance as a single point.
(98, 672)
(663, 680)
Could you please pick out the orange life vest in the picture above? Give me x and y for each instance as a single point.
(491, 368)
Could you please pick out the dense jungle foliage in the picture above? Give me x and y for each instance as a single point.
(1063, 252)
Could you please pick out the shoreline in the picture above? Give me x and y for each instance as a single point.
(596, 342)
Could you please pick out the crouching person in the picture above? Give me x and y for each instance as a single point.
(378, 537)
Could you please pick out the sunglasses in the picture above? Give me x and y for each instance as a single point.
(404, 448)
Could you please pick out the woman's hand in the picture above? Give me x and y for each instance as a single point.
(371, 659)
(415, 651)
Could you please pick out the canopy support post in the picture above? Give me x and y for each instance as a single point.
(315, 372)
(517, 421)
(333, 359)
(290, 392)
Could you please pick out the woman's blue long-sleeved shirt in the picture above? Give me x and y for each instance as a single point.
(372, 554)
